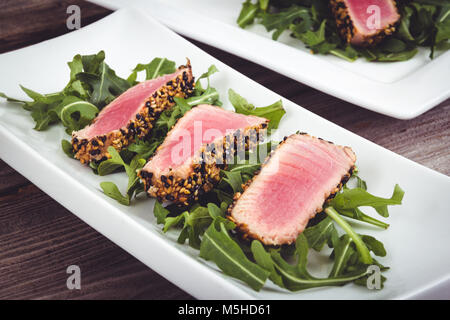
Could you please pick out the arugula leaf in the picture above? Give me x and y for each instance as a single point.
(214, 211)
(264, 260)
(92, 85)
(155, 68)
(273, 112)
(67, 148)
(76, 87)
(10, 99)
(76, 113)
(218, 246)
(112, 191)
(144, 148)
(354, 198)
(105, 85)
(195, 223)
(344, 251)
(160, 212)
(134, 186)
(320, 234)
(364, 253)
(234, 179)
(281, 20)
(297, 277)
(247, 14)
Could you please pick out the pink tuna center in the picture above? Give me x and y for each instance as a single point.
(202, 125)
(304, 172)
(369, 16)
(124, 108)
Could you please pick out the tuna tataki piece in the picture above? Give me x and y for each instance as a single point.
(291, 187)
(188, 162)
(365, 22)
(131, 114)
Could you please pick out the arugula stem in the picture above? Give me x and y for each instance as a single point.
(360, 246)
(367, 219)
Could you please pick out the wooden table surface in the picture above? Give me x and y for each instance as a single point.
(39, 238)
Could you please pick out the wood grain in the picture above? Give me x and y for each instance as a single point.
(39, 238)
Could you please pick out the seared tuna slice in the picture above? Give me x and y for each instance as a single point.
(295, 181)
(131, 114)
(365, 22)
(188, 162)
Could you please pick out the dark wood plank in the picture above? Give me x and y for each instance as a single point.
(26, 22)
(10, 180)
(39, 238)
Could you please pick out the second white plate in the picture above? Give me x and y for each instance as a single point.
(403, 90)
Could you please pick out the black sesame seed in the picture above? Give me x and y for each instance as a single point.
(95, 143)
(170, 197)
(94, 152)
(163, 178)
(148, 104)
(181, 183)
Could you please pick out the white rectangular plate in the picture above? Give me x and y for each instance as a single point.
(416, 241)
(403, 90)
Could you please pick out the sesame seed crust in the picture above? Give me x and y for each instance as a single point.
(243, 229)
(348, 31)
(204, 171)
(141, 124)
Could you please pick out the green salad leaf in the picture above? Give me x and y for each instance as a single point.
(104, 85)
(155, 68)
(134, 186)
(296, 277)
(247, 14)
(273, 112)
(92, 85)
(218, 246)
